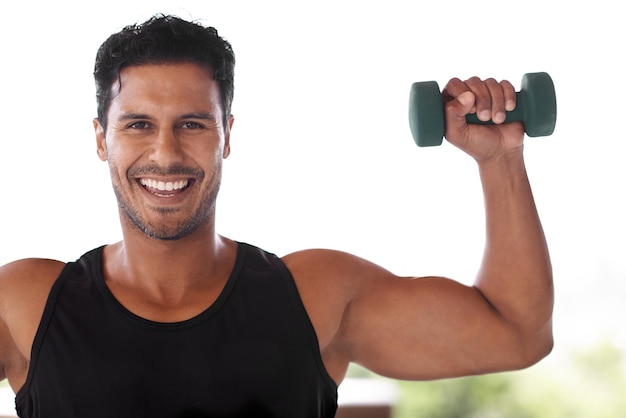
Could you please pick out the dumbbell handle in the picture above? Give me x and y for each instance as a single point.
(515, 115)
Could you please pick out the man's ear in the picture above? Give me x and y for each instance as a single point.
(101, 142)
(226, 152)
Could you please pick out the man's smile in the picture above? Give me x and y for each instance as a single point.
(163, 188)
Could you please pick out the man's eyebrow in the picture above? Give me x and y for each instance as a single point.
(199, 115)
(132, 116)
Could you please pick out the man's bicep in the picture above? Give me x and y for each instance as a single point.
(425, 328)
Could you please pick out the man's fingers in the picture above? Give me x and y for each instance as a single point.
(456, 109)
(492, 98)
(510, 97)
(496, 93)
(483, 98)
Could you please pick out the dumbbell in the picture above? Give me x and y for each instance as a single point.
(536, 108)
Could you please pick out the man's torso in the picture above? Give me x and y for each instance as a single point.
(24, 340)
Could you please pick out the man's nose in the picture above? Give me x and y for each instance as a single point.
(167, 148)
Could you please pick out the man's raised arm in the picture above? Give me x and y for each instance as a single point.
(433, 327)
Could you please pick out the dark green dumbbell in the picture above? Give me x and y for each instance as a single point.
(536, 108)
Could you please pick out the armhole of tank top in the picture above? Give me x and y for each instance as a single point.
(42, 329)
(310, 330)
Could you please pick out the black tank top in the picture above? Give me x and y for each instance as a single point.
(252, 353)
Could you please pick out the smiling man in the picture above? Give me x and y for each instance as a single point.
(178, 321)
(165, 147)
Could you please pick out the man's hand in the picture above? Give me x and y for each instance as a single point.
(490, 100)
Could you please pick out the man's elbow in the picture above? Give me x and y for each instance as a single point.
(535, 348)
(541, 351)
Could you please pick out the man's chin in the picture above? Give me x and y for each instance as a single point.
(169, 234)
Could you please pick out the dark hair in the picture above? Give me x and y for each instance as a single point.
(163, 40)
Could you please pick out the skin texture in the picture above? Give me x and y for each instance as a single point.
(166, 125)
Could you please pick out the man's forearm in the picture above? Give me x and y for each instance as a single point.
(516, 274)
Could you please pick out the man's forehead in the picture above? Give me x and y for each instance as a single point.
(166, 82)
(168, 72)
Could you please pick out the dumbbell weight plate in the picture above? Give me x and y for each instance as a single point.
(540, 97)
(426, 117)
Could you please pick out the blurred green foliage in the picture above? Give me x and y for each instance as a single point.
(586, 384)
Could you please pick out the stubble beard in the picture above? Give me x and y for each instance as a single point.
(163, 231)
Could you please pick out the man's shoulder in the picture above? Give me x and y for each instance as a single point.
(25, 279)
(328, 276)
(24, 288)
(320, 264)
(30, 269)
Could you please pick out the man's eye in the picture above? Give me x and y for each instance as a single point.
(138, 125)
(191, 125)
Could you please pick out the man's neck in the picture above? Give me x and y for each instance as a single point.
(169, 269)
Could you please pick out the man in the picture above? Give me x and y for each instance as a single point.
(178, 321)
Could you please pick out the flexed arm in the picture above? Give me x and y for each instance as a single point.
(434, 327)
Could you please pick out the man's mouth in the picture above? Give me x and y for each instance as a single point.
(164, 188)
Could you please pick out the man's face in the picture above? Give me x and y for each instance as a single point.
(165, 143)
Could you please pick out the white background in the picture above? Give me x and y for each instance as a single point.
(322, 154)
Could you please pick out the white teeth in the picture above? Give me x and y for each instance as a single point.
(167, 186)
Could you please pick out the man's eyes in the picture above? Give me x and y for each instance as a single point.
(146, 125)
